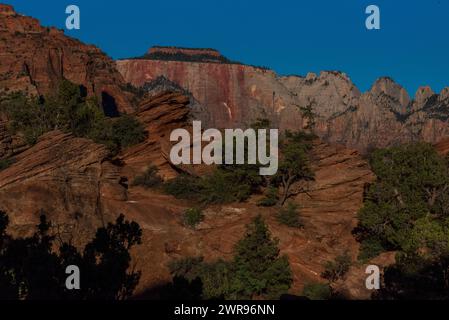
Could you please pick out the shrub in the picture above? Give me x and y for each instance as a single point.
(187, 267)
(271, 198)
(317, 291)
(220, 187)
(214, 278)
(337, 269)
(127, 131)
(257, 270)
(289, 216)
(149, 179)
(6, 163)
(192, 217)
(68, 109)
(183, 187)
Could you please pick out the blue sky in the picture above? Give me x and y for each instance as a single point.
(291, 37)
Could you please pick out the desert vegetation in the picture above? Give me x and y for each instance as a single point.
(257, 270)
(406, 210)
(69, 110)
(33, 268)
(237, 183)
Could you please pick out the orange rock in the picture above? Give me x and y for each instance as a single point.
(34, 58)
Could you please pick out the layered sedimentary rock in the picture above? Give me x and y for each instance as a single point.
(65, 177)
(160, 115)
(34, 59)
(234, 95)
(328, 211)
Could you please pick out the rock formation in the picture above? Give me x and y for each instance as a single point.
(235, 95)
(34, 58)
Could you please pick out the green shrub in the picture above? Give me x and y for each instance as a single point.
(150, 179)
(187, 267)
(69, 110)
(220, 187)
(6, 163)
(271, 198)
(369, 248)
(337, 269)
(289, 216)
(192, 217)
(257, 269)
(127, 131)
(217, 187)
(183, 187)
(317, 291)
(214, 277)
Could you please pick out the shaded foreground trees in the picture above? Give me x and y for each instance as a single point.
(32, 269)
(406, 210)
(256, 271)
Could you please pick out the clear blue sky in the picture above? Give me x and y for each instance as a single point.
(291, 37)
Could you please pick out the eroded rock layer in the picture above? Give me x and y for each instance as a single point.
(234, 95)
(34, 59)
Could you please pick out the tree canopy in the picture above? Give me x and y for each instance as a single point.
(34, 267)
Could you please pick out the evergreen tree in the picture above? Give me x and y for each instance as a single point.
(294, 165)
(407, 207)
(33, 268)
(259, 271)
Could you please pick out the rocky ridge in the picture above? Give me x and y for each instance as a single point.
(34, 58)
(234, 95)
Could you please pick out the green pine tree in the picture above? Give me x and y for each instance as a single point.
(259, 271)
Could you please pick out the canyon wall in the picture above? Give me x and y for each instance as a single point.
(235, 95)
(34, 58)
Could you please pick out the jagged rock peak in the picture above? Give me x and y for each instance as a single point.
(444, 94)
(389, 87)
(7, 10)
(423, 93)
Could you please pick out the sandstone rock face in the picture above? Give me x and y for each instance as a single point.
(235, 95)
(34, 58)
(328, 211)
(68, 178)
(160, 115)
(71, 179)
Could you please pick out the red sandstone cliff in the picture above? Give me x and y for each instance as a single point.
(233, 95)
(34, 58)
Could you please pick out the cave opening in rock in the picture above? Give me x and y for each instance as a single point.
(109, 105)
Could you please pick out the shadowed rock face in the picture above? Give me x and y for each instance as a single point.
(236, 95)
(66, 177)
(34, 58)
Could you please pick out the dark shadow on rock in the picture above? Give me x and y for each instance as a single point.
(179, 289)
(109, 105)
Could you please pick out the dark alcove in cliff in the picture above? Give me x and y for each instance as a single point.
(109, 105)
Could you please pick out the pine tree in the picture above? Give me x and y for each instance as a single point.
(259, 271)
